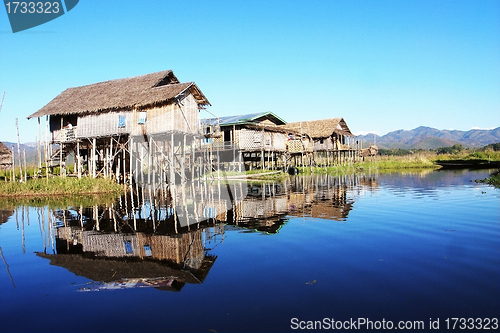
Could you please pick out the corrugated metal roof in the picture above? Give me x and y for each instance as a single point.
(241, 119)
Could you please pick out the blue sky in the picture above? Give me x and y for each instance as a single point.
(381, 65)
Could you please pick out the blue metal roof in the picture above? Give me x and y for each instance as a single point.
(240, 119)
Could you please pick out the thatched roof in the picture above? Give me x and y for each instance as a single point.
(320, 128)
(5, 156)
(4, 150)
(133, 92)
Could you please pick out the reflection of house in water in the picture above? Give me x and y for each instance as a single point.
(322, 197)
(263, 210)
(167, 261)
(164, 240)
(268, 206)
(139, 248)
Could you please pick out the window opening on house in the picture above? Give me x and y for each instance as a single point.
(121, 121)
(142, 117)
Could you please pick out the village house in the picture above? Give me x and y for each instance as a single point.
(103, 124)
(331, 140)
(257, 136)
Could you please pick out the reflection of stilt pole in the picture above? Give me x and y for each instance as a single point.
(133, 206)
(96, 217)
(7, 267)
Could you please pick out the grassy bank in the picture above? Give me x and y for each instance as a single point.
(380, 164)
(58, 186)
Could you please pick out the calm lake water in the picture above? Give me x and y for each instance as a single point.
(417, 247)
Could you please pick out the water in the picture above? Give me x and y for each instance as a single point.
(412, 247)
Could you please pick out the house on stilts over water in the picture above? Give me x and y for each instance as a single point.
(148, 129)
(267, 142)
(258, 136)
(132, 128)
(330, 142)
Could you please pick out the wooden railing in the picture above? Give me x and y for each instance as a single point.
(65, 135)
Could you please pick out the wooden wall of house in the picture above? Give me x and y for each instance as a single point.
(176, 248)
(299, 145)
(324, 144)
(109, 245)
(249, 139)
(253, 139)
(170, 117)
(105, 124)
(333, 142)
(266, 122)
(159, 119)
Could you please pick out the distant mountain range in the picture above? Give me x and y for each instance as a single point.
(431, 138)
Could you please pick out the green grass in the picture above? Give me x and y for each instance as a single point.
(59, 186)
(493, 179)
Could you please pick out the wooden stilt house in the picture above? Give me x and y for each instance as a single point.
(331, 140)
(258, 136)
(101, 124)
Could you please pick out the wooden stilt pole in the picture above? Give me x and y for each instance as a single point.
(19, 152)
(93, 156)
(38, 148)
(130, 155)
(25, 168)
(78, 160)
(150, 158)
(61, 148)
(13, 164)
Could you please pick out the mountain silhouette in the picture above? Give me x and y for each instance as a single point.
(430, 138)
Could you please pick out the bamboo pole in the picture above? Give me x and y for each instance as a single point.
(93, 156)
(172, 161)
(130, 149)
(19, 152)
(13, 164)
(25, 168)
(142, 164)
(150, 158)
(78, 160)
(60, 147)
(38, 148)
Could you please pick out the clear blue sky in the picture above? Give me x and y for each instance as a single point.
(381, 65)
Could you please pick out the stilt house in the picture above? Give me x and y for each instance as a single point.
(249, 132)
(331, 139)
(258, 136)
(98, 121)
